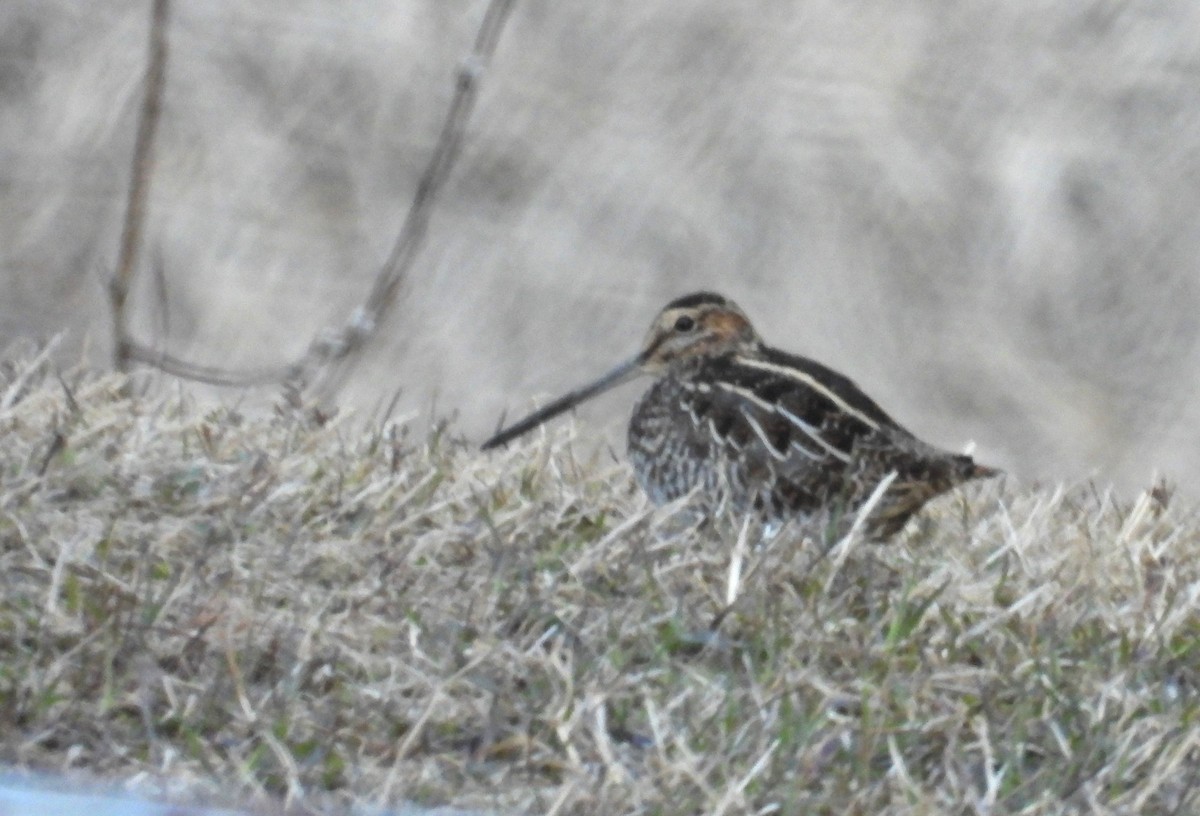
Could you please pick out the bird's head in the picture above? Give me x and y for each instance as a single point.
(692, 327)
(700, 325)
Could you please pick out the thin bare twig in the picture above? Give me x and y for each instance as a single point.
(161, 297)
(332, 346)
(211, 375)
(139, 183)
(368, 317)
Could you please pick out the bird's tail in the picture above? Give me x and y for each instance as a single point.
(978, 471)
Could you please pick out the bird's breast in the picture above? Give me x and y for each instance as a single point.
(679, 441)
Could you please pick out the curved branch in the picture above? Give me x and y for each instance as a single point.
(329, 348)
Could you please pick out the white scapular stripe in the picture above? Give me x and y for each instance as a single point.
(812, 432)
(718, 440)
(800, 424)
(762, 434)
(812, 383)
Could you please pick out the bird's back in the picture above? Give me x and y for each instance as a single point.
(786, 437)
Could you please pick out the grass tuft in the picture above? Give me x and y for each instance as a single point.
(330, 612)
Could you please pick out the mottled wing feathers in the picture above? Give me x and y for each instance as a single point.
(768, 442)
(802, 407)
(718, 436)
(784, 435)
(841, 389)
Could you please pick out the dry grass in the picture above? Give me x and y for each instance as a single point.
(336, 612)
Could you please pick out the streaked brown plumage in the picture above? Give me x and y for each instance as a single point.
(754, 429)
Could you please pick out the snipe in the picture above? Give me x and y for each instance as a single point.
(750, 428)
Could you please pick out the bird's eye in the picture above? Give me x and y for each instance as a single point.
(685, 324)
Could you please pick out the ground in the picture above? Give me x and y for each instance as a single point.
(328, 610)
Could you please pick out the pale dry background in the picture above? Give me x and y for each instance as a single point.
(984, 212)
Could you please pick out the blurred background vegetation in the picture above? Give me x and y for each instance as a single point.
(982, 212)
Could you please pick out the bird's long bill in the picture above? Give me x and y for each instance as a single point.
(618, 375)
